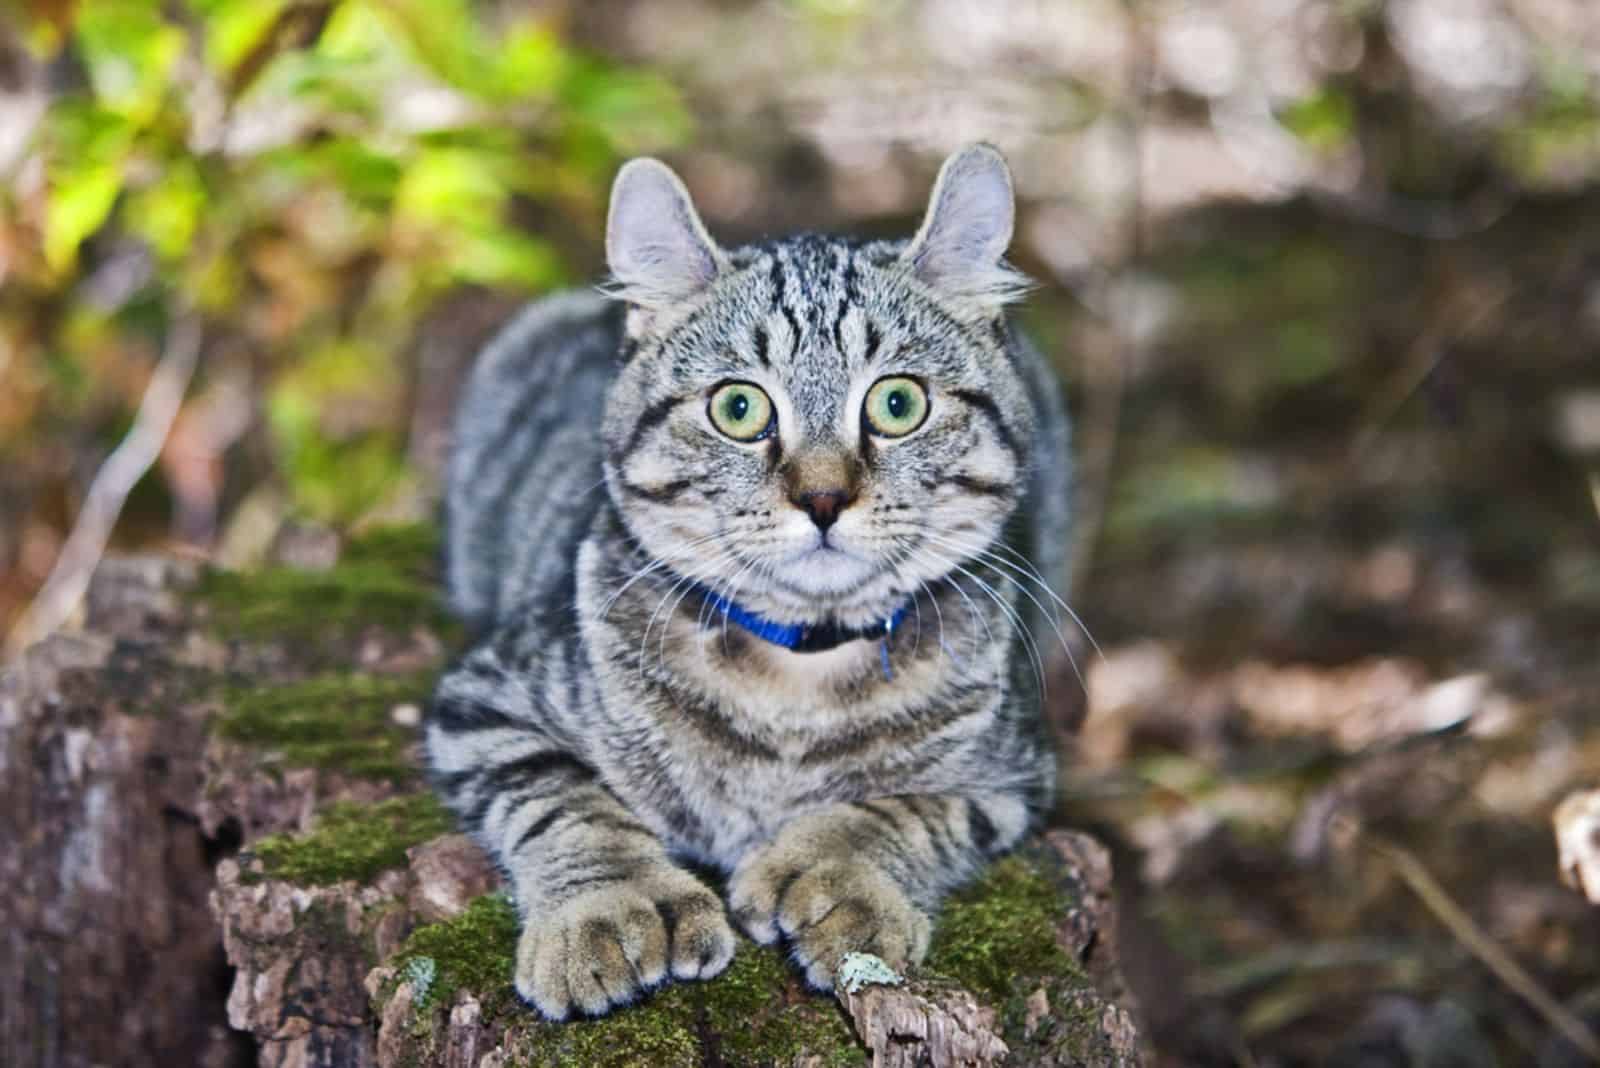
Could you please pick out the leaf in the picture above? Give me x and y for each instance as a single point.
(167, 212)
(129, 52)
(445, 39)
(501, 257)
(79, 204)
(634, 111)
(532, 62)
(1324, 120)
(450, 186)
(235, 28)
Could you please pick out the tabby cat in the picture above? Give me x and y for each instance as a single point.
(734, 534)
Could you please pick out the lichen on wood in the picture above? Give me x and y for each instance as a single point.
(473, 952)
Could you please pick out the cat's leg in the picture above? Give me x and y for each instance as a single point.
(605, 913)
(867, 876)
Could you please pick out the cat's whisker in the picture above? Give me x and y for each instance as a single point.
(972, 609)
(916, 604)
(994, 561)
(1023, 566)
(1013, 618)
(938, 613)
(685, 581)
(655, 564)
(733, 595)
(766, 568)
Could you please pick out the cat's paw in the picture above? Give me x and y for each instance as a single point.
(605, 947)
(828, 908)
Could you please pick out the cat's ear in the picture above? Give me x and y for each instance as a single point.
(960, 248)
(656, 246)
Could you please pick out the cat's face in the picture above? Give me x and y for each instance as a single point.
(819, 428)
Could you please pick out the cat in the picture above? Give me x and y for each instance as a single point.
(732, 533)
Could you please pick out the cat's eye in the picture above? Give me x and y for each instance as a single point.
(741, 410)
(895, 406)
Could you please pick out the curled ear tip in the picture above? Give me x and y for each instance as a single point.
(979, 152)
(645, 168)
(976, 168)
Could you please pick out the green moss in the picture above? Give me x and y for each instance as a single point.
(990, 938)
(473, 951)
(756, 1010)
(998, 939)
(410, 548)
(330, 721)
(284, 602)
(756, 1006)
(655, 1034)
(385, 578)
(1001, 927)
(759, 1028)
(353, 841)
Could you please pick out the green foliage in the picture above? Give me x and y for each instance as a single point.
(313, 177)
(1558, 143)
(1325, 120)
(353, 842)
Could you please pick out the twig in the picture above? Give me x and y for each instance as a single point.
(1439, 902)
(123, 469)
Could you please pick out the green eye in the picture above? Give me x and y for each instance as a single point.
(741, 410)
(895, 407)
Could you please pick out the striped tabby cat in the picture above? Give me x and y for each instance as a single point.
(732, 533)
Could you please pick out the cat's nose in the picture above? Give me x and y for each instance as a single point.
(823, 506)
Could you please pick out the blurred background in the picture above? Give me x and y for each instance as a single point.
(1322, 278)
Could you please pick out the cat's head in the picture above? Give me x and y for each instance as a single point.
(814, 427)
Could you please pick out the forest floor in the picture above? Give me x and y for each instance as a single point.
(1347, 588)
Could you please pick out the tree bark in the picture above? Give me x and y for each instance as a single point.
(164, 903)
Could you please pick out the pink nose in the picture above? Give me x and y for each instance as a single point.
(823, 506)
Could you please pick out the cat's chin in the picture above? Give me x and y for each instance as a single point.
(826, 571)
(826, 583)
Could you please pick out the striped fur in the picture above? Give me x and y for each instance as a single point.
(607, 727)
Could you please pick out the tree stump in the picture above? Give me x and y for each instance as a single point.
(219, 852)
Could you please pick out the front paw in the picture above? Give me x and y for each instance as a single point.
(606, 946)
(828, 908)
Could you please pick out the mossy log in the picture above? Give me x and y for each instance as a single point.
(218, 852)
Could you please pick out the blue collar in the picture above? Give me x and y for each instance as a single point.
(806, 637)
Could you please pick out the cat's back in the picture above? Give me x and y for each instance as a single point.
(524, 476)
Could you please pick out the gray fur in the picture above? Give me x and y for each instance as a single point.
(609, 724)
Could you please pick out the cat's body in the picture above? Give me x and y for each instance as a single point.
(630, 558)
